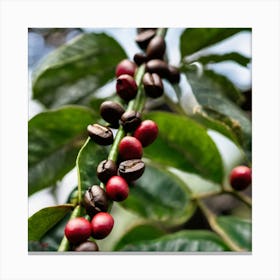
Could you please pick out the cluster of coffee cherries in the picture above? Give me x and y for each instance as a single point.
(116, 175)
(240, 177)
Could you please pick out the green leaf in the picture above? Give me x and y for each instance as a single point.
(217, 106)
(54, 139)
(38, 246)
(43, 220)
(239, 230)
(160, 196)
(195, 39)
(197, 185)
(182, 241)
(233, 56)
(219, 122)
(212, 83)
(87, 161)
(76, 70)
(184, 144)
(52, 238)
(139, 233)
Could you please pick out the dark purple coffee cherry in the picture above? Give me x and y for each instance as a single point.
(95, 200)
(143, 38)
(174, 75)
(117, 188)
(101, 135)
(101, 225)
(156, 48)
(130, 148)
(140, 58)
(126, 67)
(240, 177)
(130, 120)
(106, 169)
(87, 246)
(158, 66)
(111, 112)
(126, 87)
(153, 85)
(146, 132)
(131, 169)
(77, 230)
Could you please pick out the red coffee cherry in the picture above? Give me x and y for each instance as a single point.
(240, 177)
(146, 132)
(77, 230)
(130, 148)
(126, 87)
(126, 67)
(117, 188)
(101, 225)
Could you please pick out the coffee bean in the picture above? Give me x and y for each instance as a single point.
(156, 48)
(131, 169)
(130, 120)
(111, 112)
(144, 37)
(87, 246)
(95, 200)
(140, 58)
(106, 169)
(174, 75)
(153, 85)
(100, 134)
(140, 30)
(158, 66)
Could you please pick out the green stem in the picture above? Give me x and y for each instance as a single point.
(79, 178)
(244, 198)
(65, 245)
(161, 32)
(206, 194)
(211, 217)
(113, 155)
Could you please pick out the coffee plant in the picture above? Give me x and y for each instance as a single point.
(151, 175)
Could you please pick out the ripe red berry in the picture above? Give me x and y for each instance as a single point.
(77, 230)
(130, 148)
(117, 188)
(126, 67)
(101, 224)
(240, 177)
(146, 132)
(126, 87)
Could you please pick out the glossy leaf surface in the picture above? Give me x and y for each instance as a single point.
(182, 241)
(184, 144)
(160, 196)
(195, 39)
(239, 230)
(76, 70)
(43, 220)
(54, 139)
